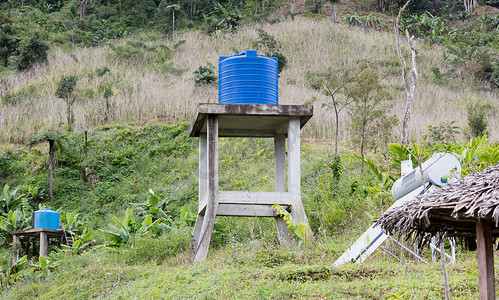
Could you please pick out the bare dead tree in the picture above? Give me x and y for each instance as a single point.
(469, 5)
(409, 84)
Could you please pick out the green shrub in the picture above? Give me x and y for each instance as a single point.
(477, 118)
(156, 250)
(102, 71)
(20, 96)
(205, 75)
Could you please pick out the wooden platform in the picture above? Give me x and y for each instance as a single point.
(247, 120)
(43, 233)
(36, 232)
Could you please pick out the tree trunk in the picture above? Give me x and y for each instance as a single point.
(334, 15)
(51, 167)
(173, 21)
(337, 130)
(410, 86)
(68, 103)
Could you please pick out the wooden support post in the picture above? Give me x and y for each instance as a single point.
(203, 166)
(197, 231)
(294, 175)
(44, 244)
(201, 250)
(203, 186)
(15, 249)
(485, 258)
(280, 185)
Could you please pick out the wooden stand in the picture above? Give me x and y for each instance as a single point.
(247, 120)
(44, 235)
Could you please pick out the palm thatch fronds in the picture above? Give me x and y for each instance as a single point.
(451, 210)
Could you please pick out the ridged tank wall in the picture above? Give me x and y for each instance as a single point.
(46, 218)
(247, 78)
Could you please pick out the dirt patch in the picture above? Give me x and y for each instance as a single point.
(314, 273)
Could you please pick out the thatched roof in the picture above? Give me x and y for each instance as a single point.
(453, 209)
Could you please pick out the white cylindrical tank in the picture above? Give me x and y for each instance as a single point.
(438, 169)
(405, 167)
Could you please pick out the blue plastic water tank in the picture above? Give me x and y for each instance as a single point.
(247, 78)
(46, 218)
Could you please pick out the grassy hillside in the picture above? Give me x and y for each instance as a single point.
(151, 79)
(245, 259)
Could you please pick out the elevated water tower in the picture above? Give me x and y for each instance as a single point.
(248, 108)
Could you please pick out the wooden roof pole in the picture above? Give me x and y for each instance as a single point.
(485, 258)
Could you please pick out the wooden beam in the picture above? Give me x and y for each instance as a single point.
(35, 232)
(239, 197)
(485, 258)
(238, 210)
(248, 198)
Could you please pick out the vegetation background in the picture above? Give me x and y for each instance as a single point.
(127, 76)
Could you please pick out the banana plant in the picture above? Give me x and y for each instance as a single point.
(46, 264)
(379, 190)
(11, 274)
(490, 156)
(81, 242)
(9, 200)
(470, 154)
(127, 230)
(70, 221)
(14, 220)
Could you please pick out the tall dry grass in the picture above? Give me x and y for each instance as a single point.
(143, 94)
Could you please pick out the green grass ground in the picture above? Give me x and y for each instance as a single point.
(255, 270)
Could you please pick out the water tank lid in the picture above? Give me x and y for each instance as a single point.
(249, 53)
(46, 209)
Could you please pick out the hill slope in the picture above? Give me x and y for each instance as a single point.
(151, 79)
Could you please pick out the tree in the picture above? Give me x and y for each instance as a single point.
(53, 138)
(31, 52)
(65, 91)
(173, 12)
(409, 85)
(369, 117)
(9, 42)
(108, 93)
(331, 83)
(469, 5)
